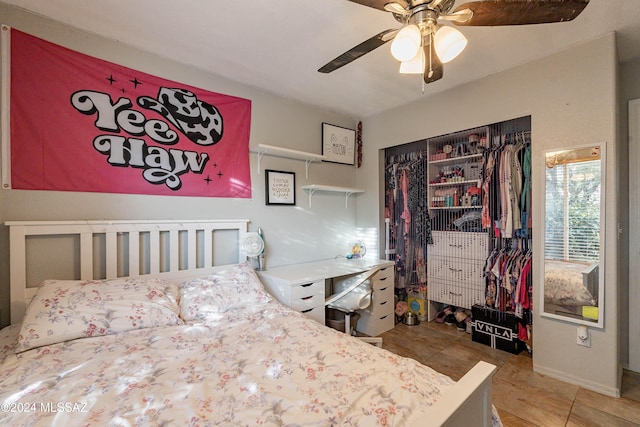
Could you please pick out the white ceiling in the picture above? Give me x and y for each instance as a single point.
(278, 45)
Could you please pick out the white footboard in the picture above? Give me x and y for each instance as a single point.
(468, 403)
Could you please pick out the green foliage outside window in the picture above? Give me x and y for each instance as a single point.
(573, 211)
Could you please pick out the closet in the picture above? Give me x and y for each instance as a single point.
(460, 243)
(458, 216)
(408, 226)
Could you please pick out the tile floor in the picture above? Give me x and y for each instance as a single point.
(522, 397)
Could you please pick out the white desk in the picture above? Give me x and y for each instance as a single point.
(305, 286)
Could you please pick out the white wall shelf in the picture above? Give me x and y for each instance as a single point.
(347, 190)
(458, 159)
(455, 208)
(287, 153)
(453, 183)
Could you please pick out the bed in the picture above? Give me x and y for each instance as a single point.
(570, 284)
(181, 341)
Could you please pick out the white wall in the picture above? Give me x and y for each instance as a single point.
(292, 234)
(630, 316)
(571, 97)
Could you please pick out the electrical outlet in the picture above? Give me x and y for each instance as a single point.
(584, 338)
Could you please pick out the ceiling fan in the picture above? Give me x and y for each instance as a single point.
(422, 44)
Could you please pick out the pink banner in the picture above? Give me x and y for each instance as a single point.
(82, 124)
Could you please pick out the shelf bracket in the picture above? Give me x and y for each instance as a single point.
(346, 199)
(311, 191)
(306, 168)
(260, 154)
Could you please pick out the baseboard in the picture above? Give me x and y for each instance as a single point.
(628, 367)
(589, 385)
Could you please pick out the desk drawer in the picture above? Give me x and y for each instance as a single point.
(315, 313)
(382, 283)
(383, 275)
(382, 301)
(373, 325)
(306, 296)
(307, 290)
(305, 303)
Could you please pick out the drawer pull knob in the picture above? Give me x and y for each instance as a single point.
(384, 302)
(306, 298)
(306, 285)
(384, 317)
(383, 289)
(306, 311)
(383, 278)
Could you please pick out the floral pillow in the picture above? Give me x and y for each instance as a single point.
(233, 288)
(8, 341)
(63, 310)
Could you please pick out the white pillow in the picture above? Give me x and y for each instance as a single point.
(63, 310)
(234, 288)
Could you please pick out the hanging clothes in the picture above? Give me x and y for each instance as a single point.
(488, 175)
(516, 186)
(508, 278)
(526, 192)
(406, 214)
(506, 192)
(406, 207)
(509, 200)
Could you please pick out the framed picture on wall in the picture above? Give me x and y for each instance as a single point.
(338, 144)
(280, 187)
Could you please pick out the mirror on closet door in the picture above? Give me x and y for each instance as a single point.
(573, 288)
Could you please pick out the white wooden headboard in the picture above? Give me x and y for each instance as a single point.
(170, 249)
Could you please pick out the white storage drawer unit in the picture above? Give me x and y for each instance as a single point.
(307, 297)
(379, 317)
(455, 268)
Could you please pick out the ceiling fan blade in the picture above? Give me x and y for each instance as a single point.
(397, 8)
(521, 12)
(441, 6)
(376, 4)
(433, 69)
(358, 51)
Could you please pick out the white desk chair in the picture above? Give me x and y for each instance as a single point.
(353, 293)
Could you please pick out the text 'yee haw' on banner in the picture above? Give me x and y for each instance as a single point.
(82, 124)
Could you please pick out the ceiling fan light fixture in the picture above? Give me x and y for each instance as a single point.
(414, 65)
(449, 43)
(406, 44)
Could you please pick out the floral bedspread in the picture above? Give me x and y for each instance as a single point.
(564, 284)
(266, 365)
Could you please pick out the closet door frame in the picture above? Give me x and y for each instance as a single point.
(634, 235)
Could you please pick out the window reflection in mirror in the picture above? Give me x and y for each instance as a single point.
(573, 287)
